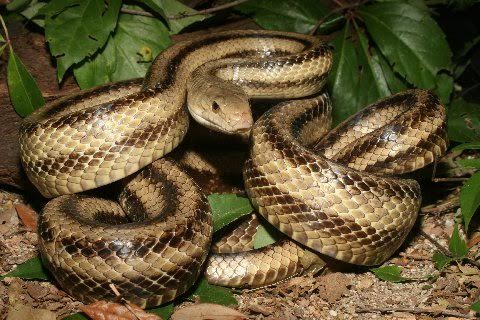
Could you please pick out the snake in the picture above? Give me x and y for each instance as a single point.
(108, 133)
(331, 193)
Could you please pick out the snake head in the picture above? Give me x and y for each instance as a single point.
(221, 107)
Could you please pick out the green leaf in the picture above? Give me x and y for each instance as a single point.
(120, 58)
(174, 8)
(463, 119)
(164, 311)
(227, 208)
(470, 199)
(208, 293)
(76, 29)
(343, 78)
(30, 269)
(17, 5)
(287, 15)
(31, 13)
(468, 145)
(472, 163)
(389, 273)
(76, 316)
(24, 92)
(411, 41)
(394, 82)
(266, 235)
(372, 84)
(441, 260)
(456, 245)
(476, 306)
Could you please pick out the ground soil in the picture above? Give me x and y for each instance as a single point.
(338, 294)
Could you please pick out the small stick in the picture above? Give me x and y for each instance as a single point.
(125, 303)
(415, 256)
(417, 311)
(459, 179)
(208, 11)
(444, 250)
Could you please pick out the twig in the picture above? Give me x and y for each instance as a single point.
(415, 256)
(7, 36)
(207, 11)
(335, 11)
(137, 12)
(460, 179)
(125, 303)
(437, 244)
(417, 311)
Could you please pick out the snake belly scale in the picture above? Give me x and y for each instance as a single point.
(152, 244)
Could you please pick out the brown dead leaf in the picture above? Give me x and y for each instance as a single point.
(103, 310)
(28, 216)
(333, 286)
(469, 271)
(21, 312)
(473, 241)
(210, 311)
(8, 220)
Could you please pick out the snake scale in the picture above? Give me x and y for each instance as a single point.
(331, 192)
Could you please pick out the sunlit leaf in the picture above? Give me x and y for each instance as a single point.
(213, 294)
(24, 92)
(30, 269)
(76, 29)
(463, 119)
(266, 235)
(343, 77)
(457, 246)
(441, 260)
(227, 208)
(389, 273)
(411, 41)
(288, 15)
(119, 59)
(470, 198)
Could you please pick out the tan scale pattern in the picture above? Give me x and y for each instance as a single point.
(261, 267)
(87, 245)
(348, 214)
(91, 139)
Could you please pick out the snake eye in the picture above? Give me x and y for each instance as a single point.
(215, 107)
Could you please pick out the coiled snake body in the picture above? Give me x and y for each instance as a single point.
(323, 198)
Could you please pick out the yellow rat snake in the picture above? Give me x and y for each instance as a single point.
(333, 192)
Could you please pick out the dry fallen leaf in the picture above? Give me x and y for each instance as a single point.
(210, 311)
(21, 312)
(103, 310)
(28, 216)
(333, 286)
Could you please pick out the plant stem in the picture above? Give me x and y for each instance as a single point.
(5, 30)
(137, 12)
(186, 14)
(335, 11)
(437, 244)
(208, 11)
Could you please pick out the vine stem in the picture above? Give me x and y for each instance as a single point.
(5, 30)
(335, 11)
(186, 14)
(208, 11)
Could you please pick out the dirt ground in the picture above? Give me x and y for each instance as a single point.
(349, 294)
